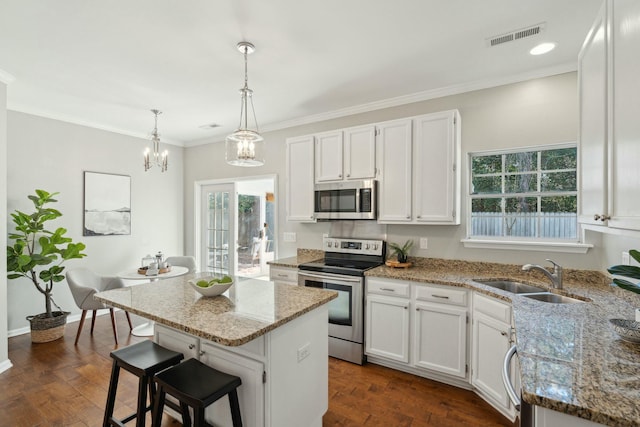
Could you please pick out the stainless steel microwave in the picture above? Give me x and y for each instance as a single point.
(346, 200)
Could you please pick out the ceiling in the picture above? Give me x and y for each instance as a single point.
(107, 63)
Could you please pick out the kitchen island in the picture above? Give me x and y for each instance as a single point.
(274, 337)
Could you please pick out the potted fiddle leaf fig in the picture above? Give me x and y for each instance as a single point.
(401, 252)
(37, 254)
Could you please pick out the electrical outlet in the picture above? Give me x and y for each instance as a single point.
(304, 352)
(625, 258)
(424, 243)
(289, 236)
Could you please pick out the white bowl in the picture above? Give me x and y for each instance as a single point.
(213, 290)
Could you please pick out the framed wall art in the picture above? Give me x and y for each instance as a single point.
(107, 204)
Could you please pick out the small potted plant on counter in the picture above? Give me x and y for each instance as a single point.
(36, 254)
(401, 252)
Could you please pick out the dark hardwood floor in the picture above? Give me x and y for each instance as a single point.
(59, 384)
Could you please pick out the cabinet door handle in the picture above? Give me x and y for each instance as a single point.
(387, 289)
(440, 296)
(348, 175)
(282, 275)
(201, 353)
(408, 216)
(192, 346)
(503, 333)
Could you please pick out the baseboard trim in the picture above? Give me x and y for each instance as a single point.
(4, 365)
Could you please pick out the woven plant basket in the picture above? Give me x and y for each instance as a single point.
(45, 329)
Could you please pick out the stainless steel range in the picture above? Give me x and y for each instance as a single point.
(345, 261)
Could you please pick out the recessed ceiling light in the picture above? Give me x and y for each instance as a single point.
(542, 48)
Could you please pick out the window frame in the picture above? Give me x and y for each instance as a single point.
(520, 242)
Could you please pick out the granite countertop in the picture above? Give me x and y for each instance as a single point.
(249, 309)
(303, 255)
(571, 360)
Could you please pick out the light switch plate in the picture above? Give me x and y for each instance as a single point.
(625, 258)
(424, 243)
(289, 236)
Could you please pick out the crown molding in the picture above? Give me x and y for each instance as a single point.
(403, 100)
(6, 78)
(73, 120)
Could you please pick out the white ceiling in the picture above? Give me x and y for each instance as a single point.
(107, 63)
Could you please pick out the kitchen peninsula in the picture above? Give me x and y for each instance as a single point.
(273, 336)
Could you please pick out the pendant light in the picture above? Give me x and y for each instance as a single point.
(156, 158)
(245, 146)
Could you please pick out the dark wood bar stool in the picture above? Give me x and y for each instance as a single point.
(144, 360)
(196, 385)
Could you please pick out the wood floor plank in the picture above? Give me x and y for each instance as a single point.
(59, 384)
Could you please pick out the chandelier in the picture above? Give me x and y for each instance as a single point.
(245, 146)
(156, 158)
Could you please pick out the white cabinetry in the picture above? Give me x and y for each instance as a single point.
(440, 328)
(592, 153)
(251, 371)
(250, 393)
(420, 169)
(624, 204)
(491, 338)
(394, 161)
(284, 275)
(418, 328)
(387, 327)
(609, 128)
(300, 176)
(346, 154)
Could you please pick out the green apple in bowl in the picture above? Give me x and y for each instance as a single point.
(210, 286)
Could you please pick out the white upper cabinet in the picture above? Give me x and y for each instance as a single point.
(608, 67)
(436, 172)
(329, 156)
(360, 152)
(394, 161)
(346, 154)
(592, 155)
(624, 203)
(299, 197)
(419, 162)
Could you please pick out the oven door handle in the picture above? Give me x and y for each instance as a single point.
(323, 277)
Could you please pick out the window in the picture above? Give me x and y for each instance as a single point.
(525, 195)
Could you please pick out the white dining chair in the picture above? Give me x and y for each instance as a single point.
(84, 284)
(183, 261)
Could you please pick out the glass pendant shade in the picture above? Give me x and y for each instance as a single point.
(245, 147)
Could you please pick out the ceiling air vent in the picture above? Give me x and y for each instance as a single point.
(522, 33)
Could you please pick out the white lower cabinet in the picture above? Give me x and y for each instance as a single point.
(440, 340)
(420, 328)
(285, 275)
(387, 327)
(251, 372)
(491, 338)
(250, 393)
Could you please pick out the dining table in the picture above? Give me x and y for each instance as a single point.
(146, 329)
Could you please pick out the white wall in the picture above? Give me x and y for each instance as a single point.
(535, 112)
(4, 349)
(52, 155)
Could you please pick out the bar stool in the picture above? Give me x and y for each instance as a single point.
(143, 360)
(196, 385)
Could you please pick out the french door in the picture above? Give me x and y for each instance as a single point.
(217, 241)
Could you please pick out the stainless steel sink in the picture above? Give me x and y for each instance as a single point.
(553, 298)
(511, 286)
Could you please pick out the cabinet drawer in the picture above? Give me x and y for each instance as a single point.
(388, 287)
(493, 308)
(442, 295)
(277, 274)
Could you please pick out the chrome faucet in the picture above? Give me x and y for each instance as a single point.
(555, 277)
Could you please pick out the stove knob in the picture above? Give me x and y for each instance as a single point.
(375, 246)
(366, 246)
